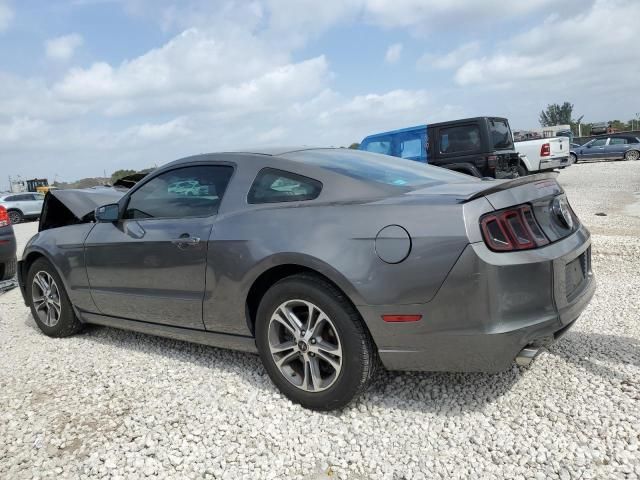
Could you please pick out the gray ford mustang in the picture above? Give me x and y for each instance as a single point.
(324, 261)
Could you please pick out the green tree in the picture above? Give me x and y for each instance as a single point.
(354, 146)
(556, 114)
(118, 174)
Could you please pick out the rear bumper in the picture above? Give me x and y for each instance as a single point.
(555, 163)
(490, 307)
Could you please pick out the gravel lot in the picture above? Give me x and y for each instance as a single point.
(108, 403)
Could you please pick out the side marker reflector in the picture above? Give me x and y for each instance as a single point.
(401, 318)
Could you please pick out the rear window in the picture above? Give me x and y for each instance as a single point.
(381, 169)
(500, 134)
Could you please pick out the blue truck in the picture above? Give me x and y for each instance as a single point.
(479, 146)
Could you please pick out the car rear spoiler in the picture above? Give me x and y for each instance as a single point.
(501, 185)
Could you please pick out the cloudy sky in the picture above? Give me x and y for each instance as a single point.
(89, 86)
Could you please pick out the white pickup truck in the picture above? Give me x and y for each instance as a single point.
(543, 154)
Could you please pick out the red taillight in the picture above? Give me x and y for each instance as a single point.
(492, 161)
(512, 229)
(4, 217)
(545, 150)
(401, 318)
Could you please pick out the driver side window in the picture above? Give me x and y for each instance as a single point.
(181, 193)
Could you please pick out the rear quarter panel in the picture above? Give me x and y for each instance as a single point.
(337, 240)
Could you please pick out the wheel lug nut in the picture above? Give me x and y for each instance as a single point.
(303, 332)
(311, 354)
(313, 341)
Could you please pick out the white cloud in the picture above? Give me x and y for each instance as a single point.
(393, 53)
(449, 60)
(64, 47)
(563, 48)
(431, 15)
(6, 16)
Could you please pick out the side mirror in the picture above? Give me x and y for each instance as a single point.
(588, 146)
(108, 213)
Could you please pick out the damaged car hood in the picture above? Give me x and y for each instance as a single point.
(69, 207)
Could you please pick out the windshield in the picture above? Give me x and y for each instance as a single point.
(500, 134)
(381, 169)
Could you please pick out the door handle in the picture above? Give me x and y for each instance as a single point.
(186, 241)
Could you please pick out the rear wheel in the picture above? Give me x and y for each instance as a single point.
(632, 155)
(50, 305)
(313, 343)
(15, 216)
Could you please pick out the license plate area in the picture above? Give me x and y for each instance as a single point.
(576, 273)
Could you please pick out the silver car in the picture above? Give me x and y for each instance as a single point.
(22, 206)
(324, 261)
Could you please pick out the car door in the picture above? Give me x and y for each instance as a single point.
(150, 265)
(594, 149)
(616, 147)
(33, 204)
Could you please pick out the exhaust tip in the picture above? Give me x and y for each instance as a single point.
(527, 355)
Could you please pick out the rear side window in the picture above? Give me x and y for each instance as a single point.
(462, 138)
(181, 193)
(272, 185)
(618, 141)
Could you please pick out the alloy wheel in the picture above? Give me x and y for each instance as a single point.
(14, 217)
(632, 155)
(45, 296)
(305, 345)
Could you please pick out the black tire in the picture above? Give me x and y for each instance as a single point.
(359, 355)
(632, 155)
(67, 323)
(574, 158)
(522, 170)
(15, 216)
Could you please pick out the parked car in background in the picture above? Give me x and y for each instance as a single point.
(481, 146)
(323, 261)
(599, 128)
(22, 206)
(614, 147)
(543, 154)
(7, 247)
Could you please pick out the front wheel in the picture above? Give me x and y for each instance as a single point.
(313, 343)
(632, 155)
(522, 170)
(574, 158)
(50, 305)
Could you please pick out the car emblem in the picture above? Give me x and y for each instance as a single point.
(562, 211)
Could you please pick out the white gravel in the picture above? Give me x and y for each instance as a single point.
(109, 403)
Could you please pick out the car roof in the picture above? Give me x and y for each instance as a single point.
(395, 132)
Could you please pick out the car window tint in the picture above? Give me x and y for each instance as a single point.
(462, 138)
(618, 141)
(181, 193)
(599, 142)
(272, 185)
